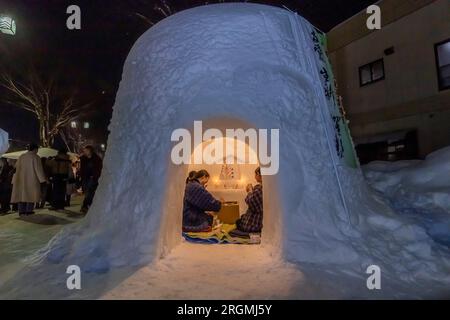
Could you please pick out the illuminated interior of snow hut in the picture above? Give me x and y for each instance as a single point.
(231, 178)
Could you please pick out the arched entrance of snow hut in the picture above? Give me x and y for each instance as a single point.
(171, 222)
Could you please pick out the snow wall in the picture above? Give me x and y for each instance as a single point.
(4, 145)
(236, 66)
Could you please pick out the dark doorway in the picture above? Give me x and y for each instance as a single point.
(388, 147)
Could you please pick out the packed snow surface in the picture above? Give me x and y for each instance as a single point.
(244, 66)
(4, 145)
(195, 271)
(417, 189)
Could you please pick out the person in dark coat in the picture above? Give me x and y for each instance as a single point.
(72, 183)
(197, 200)
(6, 175)
(60, 169)
(90, 171)
(45, 187)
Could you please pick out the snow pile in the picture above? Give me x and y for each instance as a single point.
(236, 66)
(4, 145)
(418, 184)
(419, 189)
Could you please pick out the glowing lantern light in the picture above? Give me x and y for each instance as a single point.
(7, 25)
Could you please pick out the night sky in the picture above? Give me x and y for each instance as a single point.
(91, 59)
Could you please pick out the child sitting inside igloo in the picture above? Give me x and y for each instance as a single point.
(197, 201)
(251, 221)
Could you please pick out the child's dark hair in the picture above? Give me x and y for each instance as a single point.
(195, 175)
(258, 171)
(202, 173)
(191, 176)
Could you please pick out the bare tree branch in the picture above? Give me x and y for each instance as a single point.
(36, 96)
(146, 19)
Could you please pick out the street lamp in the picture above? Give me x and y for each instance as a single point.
(86, 125)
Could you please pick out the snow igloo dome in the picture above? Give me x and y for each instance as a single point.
(231, 66)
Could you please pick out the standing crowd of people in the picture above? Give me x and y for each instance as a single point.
(33, 181)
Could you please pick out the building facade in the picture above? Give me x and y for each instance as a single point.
(395, 82)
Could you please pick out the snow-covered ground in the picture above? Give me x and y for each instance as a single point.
(417, 189)
(20, 237)
(195, 271)
(190, 271)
